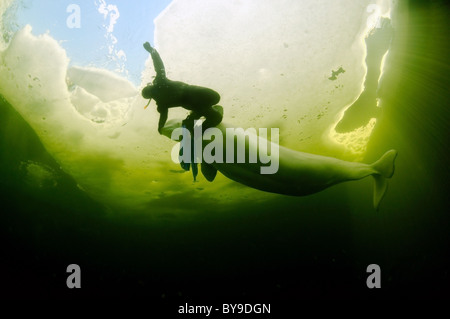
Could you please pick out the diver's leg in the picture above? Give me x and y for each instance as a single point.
(200, 96)
(189, 121)
(213, 116)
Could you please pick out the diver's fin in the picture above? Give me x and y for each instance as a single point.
(185, 166)
(384, 168)
(194, 171)
(194, 165)
(208, 171)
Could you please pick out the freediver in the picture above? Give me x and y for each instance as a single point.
(201, 101)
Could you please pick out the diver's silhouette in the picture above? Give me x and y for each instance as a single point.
(167, 93)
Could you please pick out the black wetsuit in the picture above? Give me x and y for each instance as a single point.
(168, 93)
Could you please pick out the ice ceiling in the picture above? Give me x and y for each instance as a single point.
(271, 61)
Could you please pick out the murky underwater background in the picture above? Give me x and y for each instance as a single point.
(90, 182)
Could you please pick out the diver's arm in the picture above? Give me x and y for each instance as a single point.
(157, 61)
(163, 114)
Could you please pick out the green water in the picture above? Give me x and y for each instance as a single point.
(282, 248)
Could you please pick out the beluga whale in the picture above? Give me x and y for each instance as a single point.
(297, 173)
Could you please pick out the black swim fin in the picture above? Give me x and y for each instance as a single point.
(185, 166)
(208, 171)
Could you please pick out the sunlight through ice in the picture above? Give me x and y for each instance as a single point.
(269, 60)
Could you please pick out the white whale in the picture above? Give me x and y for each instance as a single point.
(300, 173)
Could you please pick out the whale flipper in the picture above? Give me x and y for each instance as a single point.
(384, 168)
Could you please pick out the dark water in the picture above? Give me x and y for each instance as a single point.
(288, 249)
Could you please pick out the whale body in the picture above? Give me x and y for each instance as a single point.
(299, 173)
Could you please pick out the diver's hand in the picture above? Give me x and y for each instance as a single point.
(148, 47)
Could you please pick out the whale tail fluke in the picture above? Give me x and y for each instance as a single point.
(384, 168)
(385, 165)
